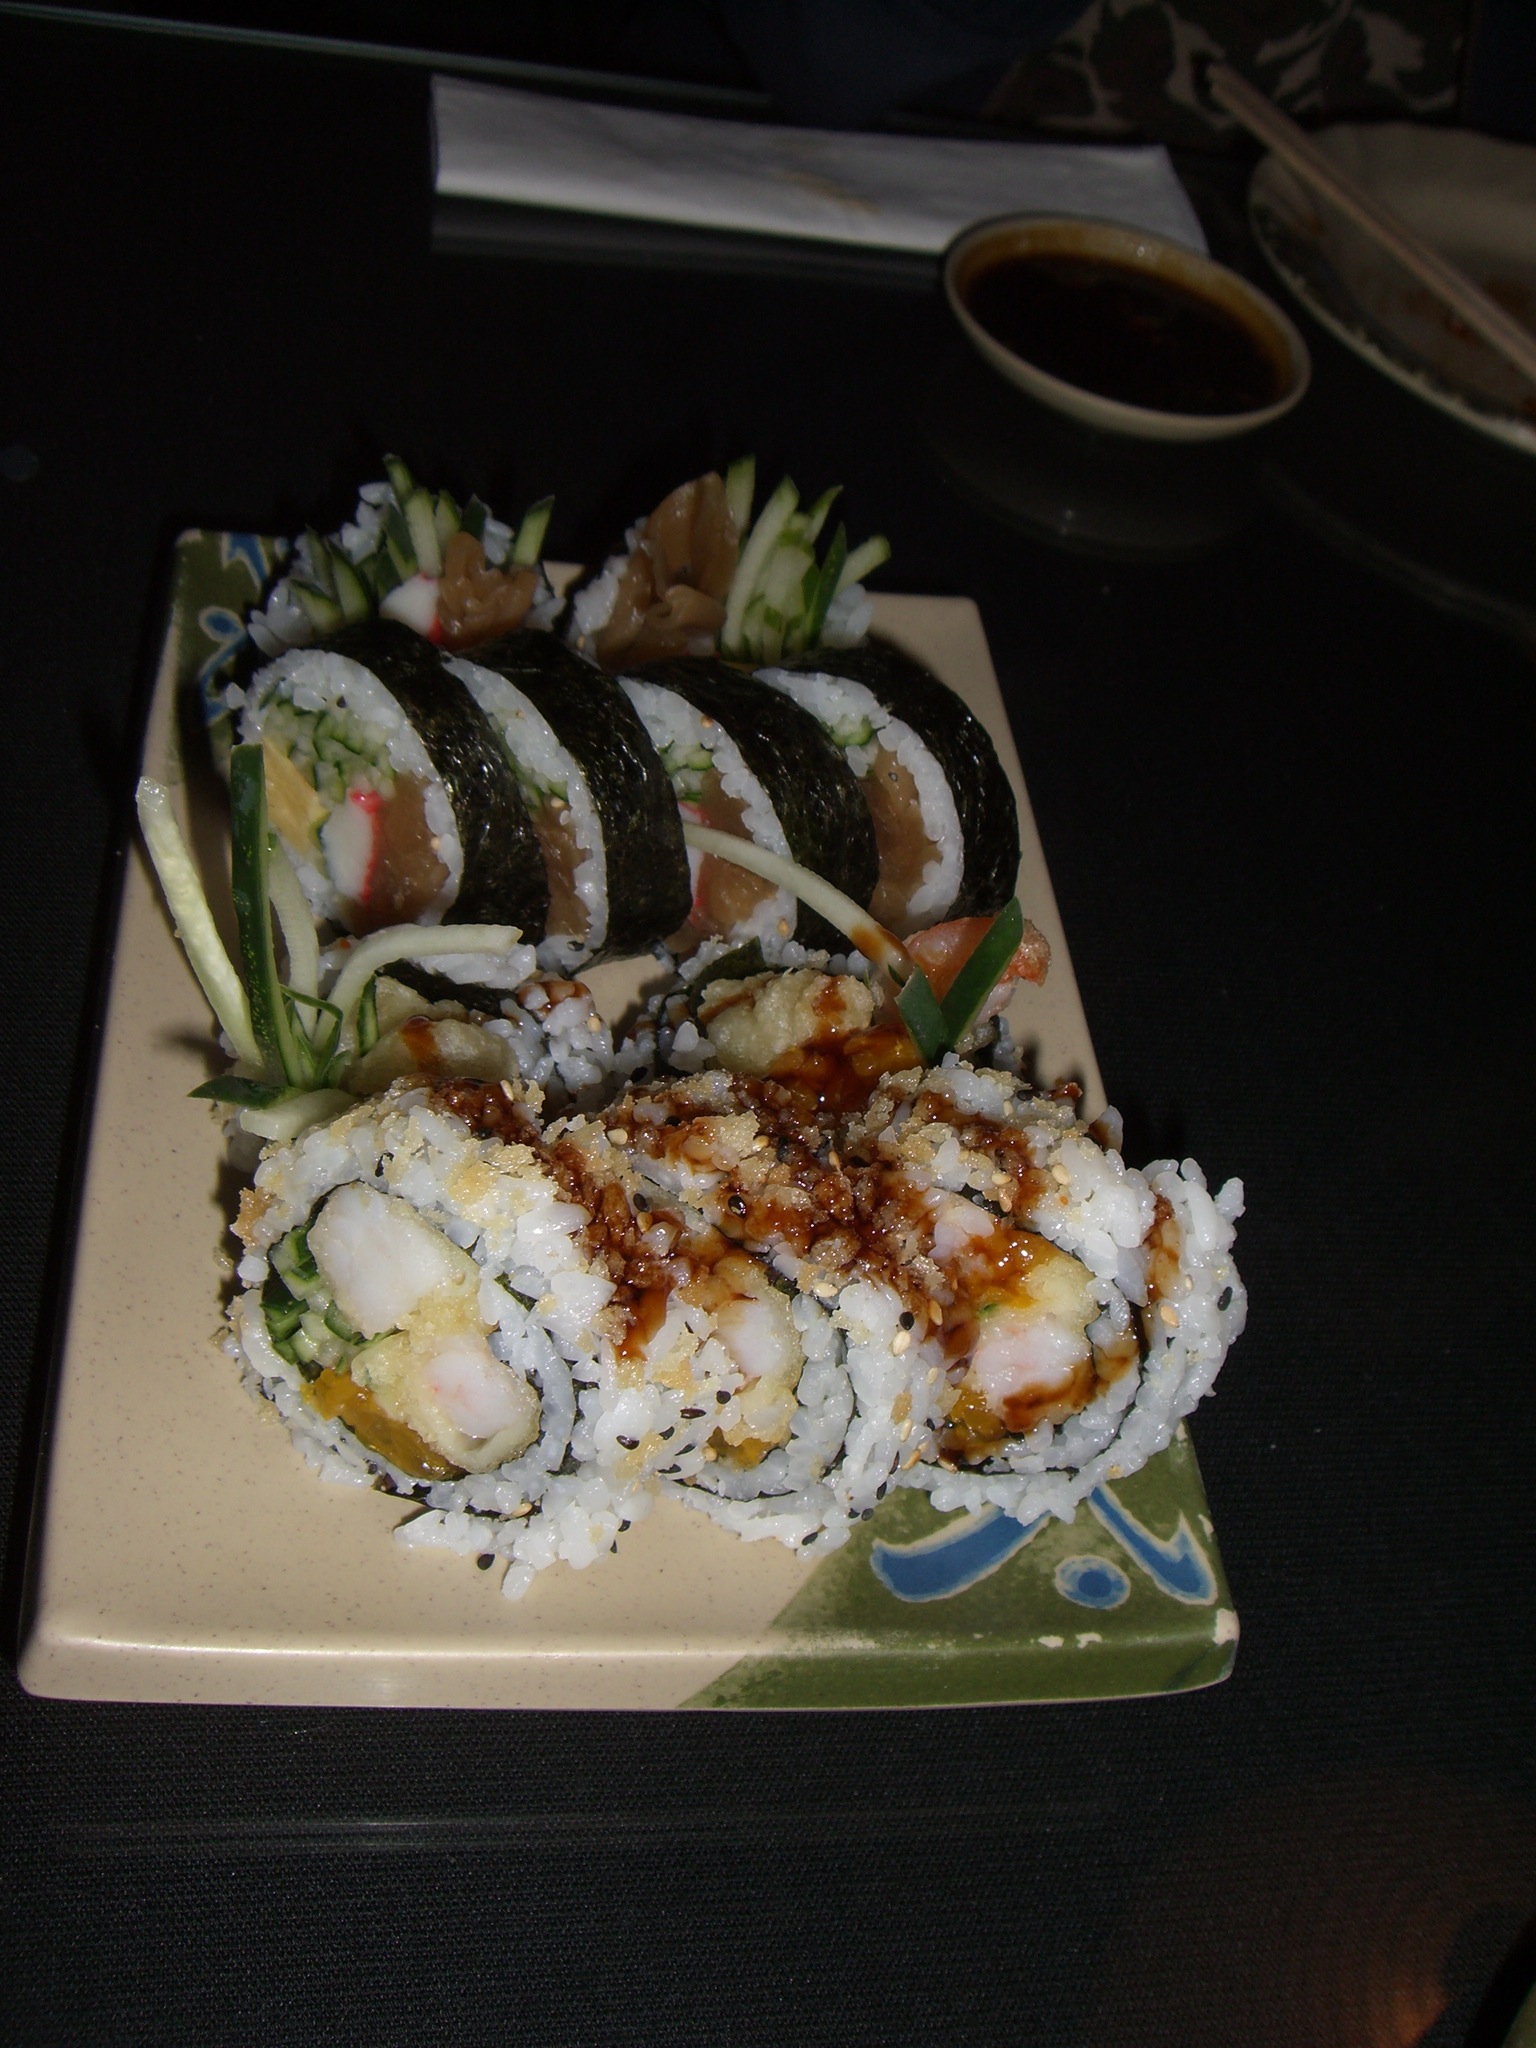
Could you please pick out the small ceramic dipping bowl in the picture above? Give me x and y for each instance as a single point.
(1125, 330)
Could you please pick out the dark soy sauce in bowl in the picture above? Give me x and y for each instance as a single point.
(1125, 333)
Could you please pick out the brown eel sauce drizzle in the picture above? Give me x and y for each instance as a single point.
(845, 1215)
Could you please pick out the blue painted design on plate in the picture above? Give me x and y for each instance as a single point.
(1092, 1582)
(226, 629)
(1175, 1564)
(251, 549)
(939, 1566)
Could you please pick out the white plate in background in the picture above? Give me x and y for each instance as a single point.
(1474, 199)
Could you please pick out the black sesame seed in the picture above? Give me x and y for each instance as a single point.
(692, 1414)
(880, 1492)
(737, 1205)
(668, 1431)
(614, 1547)
(642, 1204)
(485, 1560)
(721, 1394)
(1224, 1300)
(630, 1443)
(811, 1538)
(907, 1319)
(865, 1514)
(622, 1527)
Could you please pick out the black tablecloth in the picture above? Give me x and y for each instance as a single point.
(1284, 801)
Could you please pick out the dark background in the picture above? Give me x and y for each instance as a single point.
(1284, 801)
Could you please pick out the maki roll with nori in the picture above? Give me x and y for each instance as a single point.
(665, 595)
(750, 762)
(943, 813)
(390, 787)
(700, 576)
(450, 572)
(598, 797)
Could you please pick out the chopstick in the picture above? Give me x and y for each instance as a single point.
(1279, 133)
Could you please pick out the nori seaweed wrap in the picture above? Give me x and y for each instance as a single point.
(749, 761)
(596, 792)
(942, 808)
(390, 787)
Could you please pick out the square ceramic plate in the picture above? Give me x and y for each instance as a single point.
(186, 1552)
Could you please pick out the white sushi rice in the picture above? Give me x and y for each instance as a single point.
(859, 725)
(849, 618)
(790, 1494)
(545, 768)
(682, 734)
(592, 605)
(564, 1045)
(314, 682)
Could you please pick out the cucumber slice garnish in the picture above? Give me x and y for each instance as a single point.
(529, 544)
(421, 519)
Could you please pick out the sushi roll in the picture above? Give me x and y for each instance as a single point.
(548, 1033)
(700, 576)
(664, 594)
(415, 1290)
(821, 1403)
(598, 797)
(699, 1382)
(452, 573)
(1083, 1307)
(751, 1147)
(390, 787)
(750, 762)
(943, 813)
(1023, 1317)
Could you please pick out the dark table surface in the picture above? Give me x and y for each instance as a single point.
(1284, 801)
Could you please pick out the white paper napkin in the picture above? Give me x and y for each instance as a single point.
(888, 191)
